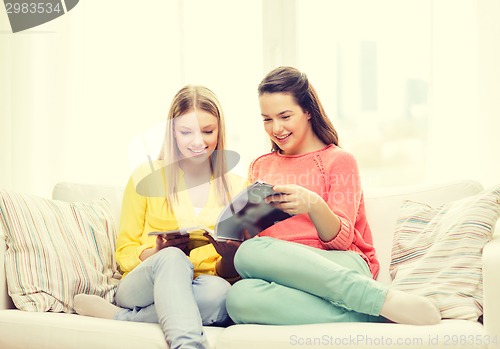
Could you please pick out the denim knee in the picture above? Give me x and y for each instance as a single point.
(210, 292)
(172, 256)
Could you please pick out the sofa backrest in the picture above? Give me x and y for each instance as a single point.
(382, 210)
(67, 191)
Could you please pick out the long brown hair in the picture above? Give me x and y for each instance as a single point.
(291, 80)
(192, 97)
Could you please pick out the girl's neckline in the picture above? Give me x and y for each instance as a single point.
(304, 154)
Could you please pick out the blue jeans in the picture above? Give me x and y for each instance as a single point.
(286, 283)
(161, 290)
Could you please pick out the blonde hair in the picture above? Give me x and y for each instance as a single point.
(192, 97)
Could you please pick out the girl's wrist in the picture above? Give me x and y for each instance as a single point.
(315, 203)
(225, 269)
(148, 252)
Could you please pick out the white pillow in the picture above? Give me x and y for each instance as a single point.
(57, 249)
(437, 251)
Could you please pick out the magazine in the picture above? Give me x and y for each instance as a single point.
(247, 211)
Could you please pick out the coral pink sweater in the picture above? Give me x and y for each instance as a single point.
(333, 174)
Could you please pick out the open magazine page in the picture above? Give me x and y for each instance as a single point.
(196, 237)
(180, 231)
(248, 211)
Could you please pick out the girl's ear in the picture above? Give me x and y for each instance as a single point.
(308, 115)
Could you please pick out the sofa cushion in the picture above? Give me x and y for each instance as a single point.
(354, 335)
(437, 251)
(55, 250)
(22, 330)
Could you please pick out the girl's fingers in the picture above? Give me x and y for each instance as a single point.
(167, 241)
(247, 235)
(210, 238)
(287, 207)
(286, 189)
(275, 198)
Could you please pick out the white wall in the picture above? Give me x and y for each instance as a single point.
(489, 89)
(75, 92)
(78, 88)
(454, 91)
(465, 90)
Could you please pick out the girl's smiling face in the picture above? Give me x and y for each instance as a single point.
(196, 135)
(286, 123)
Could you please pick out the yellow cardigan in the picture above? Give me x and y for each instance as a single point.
(143, 214)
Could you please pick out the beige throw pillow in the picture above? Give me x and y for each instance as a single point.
(55, 250)
(437, 251)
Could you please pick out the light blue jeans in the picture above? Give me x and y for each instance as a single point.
(286, 283)
(161, 290)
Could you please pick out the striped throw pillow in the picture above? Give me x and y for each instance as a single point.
(56, 250)
(437, 252)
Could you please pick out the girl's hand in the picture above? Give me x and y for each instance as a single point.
(226, 249)
(293, 199)
(172, 240)
(166, 240)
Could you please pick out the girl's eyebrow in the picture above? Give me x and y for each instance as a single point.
(280, 113)
(184, 127)
(209, 126)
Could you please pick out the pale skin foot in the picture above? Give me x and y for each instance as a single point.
(95, 306)
(405, 308)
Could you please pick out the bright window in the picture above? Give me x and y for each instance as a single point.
(370, 63)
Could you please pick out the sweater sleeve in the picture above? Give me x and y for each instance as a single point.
(131, 228)
(343, 197)
(251, 173)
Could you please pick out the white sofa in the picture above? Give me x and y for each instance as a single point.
(23, 330)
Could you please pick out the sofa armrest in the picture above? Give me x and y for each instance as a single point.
(491, 285)
(5, 301)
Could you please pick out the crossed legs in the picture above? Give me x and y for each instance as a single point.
(288, 283)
